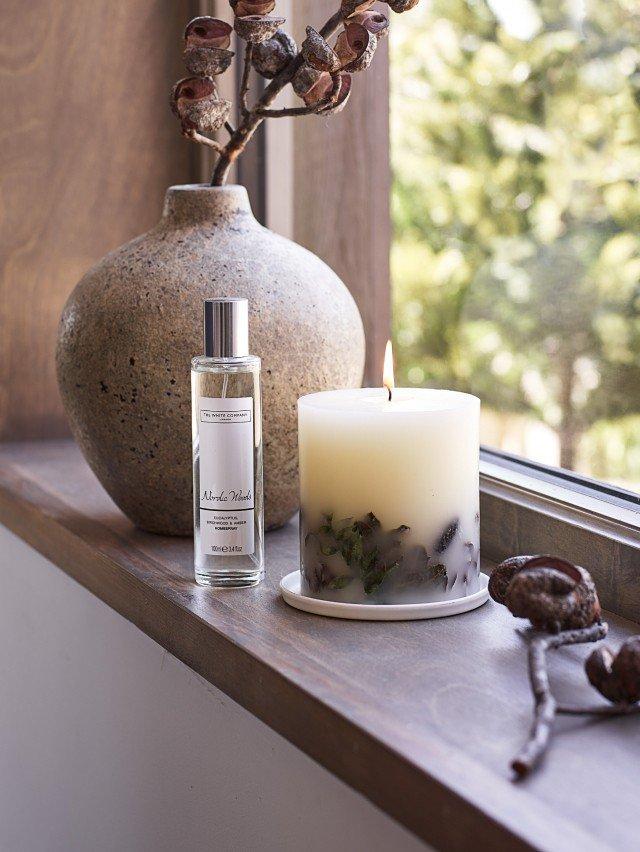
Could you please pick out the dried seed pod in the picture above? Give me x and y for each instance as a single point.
(196, 103)
(208, 32)
(242, 8)
(616, 676)
(207, 61)
(318, 53)
(342, 97)
(206, 41)
(320, 92)
(270, 57)
(375, 22)
(257, 28)
(553, 594)
(355, 47)
(350, 7)
(402, 5)
(191, 88)
(626, 669)
(503, 575)
(598, 670)
(305, 78)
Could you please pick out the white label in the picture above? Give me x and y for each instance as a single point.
(226, 476)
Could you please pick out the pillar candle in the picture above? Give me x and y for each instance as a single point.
(389, 495)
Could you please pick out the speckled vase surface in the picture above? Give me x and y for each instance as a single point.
(133, 323)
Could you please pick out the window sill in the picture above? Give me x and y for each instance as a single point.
(420, 717)
(525, 513)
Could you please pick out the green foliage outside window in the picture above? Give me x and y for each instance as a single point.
(516, 207)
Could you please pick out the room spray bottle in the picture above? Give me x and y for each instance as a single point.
(227, 450)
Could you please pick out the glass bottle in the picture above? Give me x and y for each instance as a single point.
(227, 451)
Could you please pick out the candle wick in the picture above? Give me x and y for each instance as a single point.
(389, 389)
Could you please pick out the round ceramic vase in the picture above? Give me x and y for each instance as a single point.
(133, 323)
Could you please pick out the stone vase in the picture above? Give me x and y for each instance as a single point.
(133, 323)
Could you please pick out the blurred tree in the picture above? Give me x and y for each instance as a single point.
(516, 203)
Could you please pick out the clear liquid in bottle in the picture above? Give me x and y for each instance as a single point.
(227, 451)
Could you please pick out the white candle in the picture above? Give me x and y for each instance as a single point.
(411, 461)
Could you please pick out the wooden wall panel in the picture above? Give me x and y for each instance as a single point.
(342, 179)
(88, 146)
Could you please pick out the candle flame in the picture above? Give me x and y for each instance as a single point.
(387, 371)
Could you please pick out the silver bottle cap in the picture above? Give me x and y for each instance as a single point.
(226, 328)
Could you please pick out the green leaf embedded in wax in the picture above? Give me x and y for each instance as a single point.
(339, 582)
(438, 574)
(369, 552)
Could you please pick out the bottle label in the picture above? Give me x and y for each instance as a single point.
(227, 508)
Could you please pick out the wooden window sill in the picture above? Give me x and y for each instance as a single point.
(420, 717)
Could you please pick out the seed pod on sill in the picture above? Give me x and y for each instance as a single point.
(375, 22)
(242, 8)
(257, 28)
(343, 96)
(304, 79)
(503, 574)
(400, 6)
(318, 53)
(350, 7)
(271, 56)
(553, 594)
(207, 61)
(208, 32)
(616, 676)
(196, 103)
(355, 47)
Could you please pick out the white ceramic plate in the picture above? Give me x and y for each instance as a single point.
(290, 588)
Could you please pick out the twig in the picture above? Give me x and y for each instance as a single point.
(599, 710)
(545, 703)
(285, 113)
(332, 25)
(545, 710)
(194, 136)
(244, 85)
(229, 128)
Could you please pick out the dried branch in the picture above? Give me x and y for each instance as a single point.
(275, 56)
(599, 710)
(286, 112)
(545, 704)
(194, 136)
(560, 599)
(253, 119)
(244, 85)
(545, 710)
(331, 26)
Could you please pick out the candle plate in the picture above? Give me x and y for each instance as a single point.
(290, 588)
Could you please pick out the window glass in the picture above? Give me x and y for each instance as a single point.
(516, 207)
